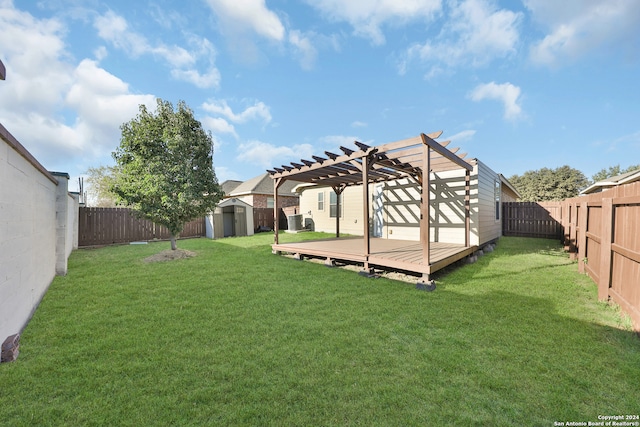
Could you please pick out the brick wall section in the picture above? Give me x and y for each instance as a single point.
(260, 201)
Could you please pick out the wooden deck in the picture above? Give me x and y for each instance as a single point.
(386, 253)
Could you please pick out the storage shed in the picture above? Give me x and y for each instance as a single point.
(232, 217)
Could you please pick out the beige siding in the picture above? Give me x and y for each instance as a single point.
(395, 208)
(489, 227)
(351, 221)
(401, 210)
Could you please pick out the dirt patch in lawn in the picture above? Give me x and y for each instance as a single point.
(169, 255)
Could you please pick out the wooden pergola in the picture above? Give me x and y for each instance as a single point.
(409, 158)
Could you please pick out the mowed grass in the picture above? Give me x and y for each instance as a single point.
(239, 336)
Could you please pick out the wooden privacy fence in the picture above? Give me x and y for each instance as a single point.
(601, 231)
(263, 217)
(531, 219)
(107, 226)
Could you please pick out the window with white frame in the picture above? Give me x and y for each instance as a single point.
(321, 201)
(270, 202)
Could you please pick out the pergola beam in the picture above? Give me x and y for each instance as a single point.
(444, 152)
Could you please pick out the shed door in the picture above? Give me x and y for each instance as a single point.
(218, 224)
(241, 220)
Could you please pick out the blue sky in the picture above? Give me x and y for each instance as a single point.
(518, 85)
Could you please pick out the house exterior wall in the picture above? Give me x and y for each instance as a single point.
(395, 207)
(35, 239)
(489, 225)
(401, 212)
(351, 218)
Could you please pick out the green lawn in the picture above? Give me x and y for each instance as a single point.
(238, 336)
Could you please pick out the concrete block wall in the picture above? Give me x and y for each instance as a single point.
(38, 227)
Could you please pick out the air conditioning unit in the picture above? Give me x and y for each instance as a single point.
(294, 222)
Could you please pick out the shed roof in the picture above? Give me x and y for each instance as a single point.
(388, 161)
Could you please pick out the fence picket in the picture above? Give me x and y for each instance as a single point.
(107, 226)
(601, 230)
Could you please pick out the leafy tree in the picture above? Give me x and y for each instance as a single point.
(613, 171)
(165, 162)
(549, 184)
(99, 181)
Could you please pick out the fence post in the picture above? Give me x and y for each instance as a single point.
(564, 222)
(573, 225)
(582, 235)
(604, 281)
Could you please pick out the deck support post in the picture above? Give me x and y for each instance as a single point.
(425, 284)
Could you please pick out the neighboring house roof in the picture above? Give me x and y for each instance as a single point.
(263, 184)
(229, 185)
(613, 181)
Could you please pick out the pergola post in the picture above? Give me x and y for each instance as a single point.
(365, 210)
(338, 191)
(277, 182)
(424, 210)
(467, 208)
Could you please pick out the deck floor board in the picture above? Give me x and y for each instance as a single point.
(388, 253)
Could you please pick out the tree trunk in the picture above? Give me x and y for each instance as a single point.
(174, 246)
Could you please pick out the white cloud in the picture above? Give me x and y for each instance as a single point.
(101, 99)
(339, 140)
(359, 124)
(63, 112)
(303, 48)
(224, 173)
(368, 16)
(255, 112)
(506, 93)
(269, 156)
(184, 63)
(475, 33)
(465, 135)
(33, 52)
(579, 27)
(250, 15)
(211, 78)
(218, 125)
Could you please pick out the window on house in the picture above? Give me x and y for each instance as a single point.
(321, 201)
(497, 197)
(333, 205)
(270, 202)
